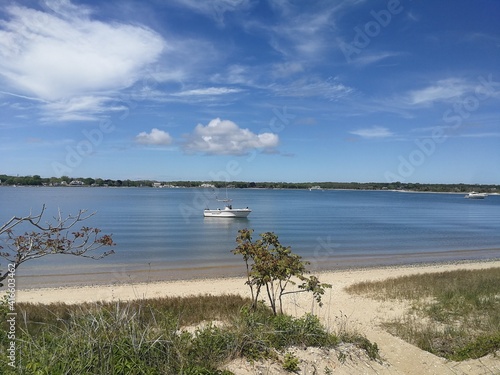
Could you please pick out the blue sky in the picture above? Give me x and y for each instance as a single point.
(251, 90)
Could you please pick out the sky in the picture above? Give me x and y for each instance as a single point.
(251, 90)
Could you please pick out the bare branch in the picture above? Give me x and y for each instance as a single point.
(52, 239)
(33, 219)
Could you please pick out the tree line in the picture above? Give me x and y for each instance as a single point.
(36, 180)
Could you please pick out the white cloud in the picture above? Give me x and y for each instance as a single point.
(64, 53)
(156, 137)
(373, 132)
(224, 137)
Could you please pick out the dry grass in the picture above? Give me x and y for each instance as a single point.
(148, 337)
(185, 310)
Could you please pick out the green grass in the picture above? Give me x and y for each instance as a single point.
(454, 314)
(149, 336)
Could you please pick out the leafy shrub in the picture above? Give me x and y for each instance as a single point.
(273, 267)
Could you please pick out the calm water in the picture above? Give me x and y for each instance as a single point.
(165, 228)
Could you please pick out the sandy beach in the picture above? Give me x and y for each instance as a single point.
(362, 314)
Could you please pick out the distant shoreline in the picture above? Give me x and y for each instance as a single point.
(65, 181)
(251, 188)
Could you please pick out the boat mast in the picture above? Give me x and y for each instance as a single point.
(227, 200)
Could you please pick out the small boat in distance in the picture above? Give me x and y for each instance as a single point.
(228, 211)
(474, 195)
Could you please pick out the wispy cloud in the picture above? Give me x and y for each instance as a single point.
(367, 58)
(79, 108)
(442, 90)
(483, 38)
(224, 137)
(446, 92)
(300, 34)
(287, 69)
(208, 91)
(216, 9)
(23, 96)
(413, 16)
(236, 74)
(481, 135)
(329, 89)
(373, 132)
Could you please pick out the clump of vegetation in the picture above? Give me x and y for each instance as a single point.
(455, 315)
(291, 362)
(154, 336)
(273, 267)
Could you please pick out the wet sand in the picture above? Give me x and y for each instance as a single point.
(129, 274)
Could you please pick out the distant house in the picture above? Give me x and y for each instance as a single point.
(76, 183)
(157, 185)
(207, 186)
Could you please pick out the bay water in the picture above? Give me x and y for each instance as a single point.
(162, 232)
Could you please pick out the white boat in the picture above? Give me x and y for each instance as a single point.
(228, 211)
(474, 195)
(315, 188)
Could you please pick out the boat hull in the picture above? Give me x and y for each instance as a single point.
(227, 213)
(476, 196)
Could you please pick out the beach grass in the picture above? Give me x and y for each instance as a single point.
(177, 335)
(455, 314)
